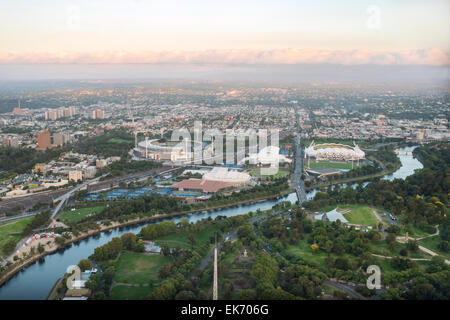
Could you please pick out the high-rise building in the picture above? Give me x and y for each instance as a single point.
(59, 113)
(10, 142)
(60, 138)
(98, 114)
(44, 140)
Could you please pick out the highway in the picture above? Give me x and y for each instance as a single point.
(298, 183)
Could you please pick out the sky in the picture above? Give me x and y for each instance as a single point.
(347, 32)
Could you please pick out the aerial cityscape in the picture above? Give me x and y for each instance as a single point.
(259, 160)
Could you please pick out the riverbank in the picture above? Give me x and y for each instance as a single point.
(53, 249)
(355, 179)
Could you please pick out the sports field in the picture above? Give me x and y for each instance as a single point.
(68, 216)
(139, 268)
(181, 239)
(256, 172)
(328, 164)
(362, 216)
(12, 230)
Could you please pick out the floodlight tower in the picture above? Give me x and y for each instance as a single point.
(146, 146)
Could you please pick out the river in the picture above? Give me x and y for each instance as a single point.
(35, 281)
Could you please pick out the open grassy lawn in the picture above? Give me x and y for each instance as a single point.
(130, 293)
(256, 172)
(387, 268)
(139, 268)
(118, 140)
(303, 250)
(77, 215)
(432, 244)
(361, 215)
(382, 248)
(8, 229)
(328, 164)
(413, 231)
(181, 238)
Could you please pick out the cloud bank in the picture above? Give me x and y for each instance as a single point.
(432, 57)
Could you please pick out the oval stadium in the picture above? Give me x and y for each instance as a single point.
(158, 149)
(334, 152)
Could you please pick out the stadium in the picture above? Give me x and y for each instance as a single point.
(334, 152)
(160, 149)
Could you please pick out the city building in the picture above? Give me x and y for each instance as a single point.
(98, 114)
(60, 138)
(44, 140)
(75, 175)
(235, 178)
(205, 186)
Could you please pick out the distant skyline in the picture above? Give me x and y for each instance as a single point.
(225, 32)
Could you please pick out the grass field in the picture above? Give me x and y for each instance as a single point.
(361, 215)
(12, 227)
(77, 215)
(413, 231)
(432, 244)
(327, 164)
(130, 293)
(303, 249)
(139, 268)
(381, 247)
(256, 172)
(181, 238)
(117, 140)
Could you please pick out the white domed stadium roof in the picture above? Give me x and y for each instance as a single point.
(334, 151)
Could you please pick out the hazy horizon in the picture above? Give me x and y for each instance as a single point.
(282, 73)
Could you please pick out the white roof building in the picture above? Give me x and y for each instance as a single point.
(334, 151)
(225, 175)
(331, 216)
(267, 156)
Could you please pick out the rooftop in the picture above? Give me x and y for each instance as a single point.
(204, 185)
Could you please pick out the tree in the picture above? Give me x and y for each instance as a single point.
(40, 248)
(108, 274)
(191, 239)
(247, 294)
(165, 271)
(60, 241)
(246, 232)
(165, 250)
(412, 245)
(9, 246)
(185, 295)
(93, 282)
(85, 264)
(100, 295)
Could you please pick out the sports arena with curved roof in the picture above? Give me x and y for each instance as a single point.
(334, 151)
(158, 149)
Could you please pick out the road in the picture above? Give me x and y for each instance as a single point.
(63, 198)
(298, 182)
(18, 217)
